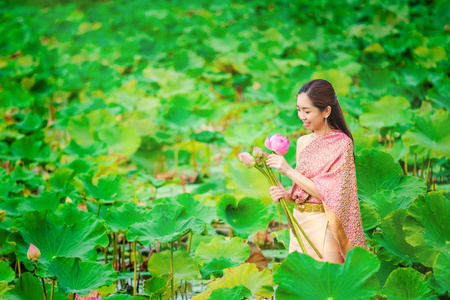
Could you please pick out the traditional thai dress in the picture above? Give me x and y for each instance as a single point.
(328, 161)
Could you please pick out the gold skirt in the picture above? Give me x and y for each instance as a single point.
(318, 230)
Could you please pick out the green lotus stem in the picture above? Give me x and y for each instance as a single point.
(427, 178)
(415, 164)
(231, 233)
(261, 169)
(98, 209)
(43, 288)
(406, 164)
(123, 253)
(291, 224)
(292, 220)
(171, 269)
(53, 289)
(114, 250)
(18, 268)
(307, 238)
(423, 165)
(188, 246)
(105, 251)
(134, 263)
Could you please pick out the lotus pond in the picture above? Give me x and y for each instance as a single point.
(121, 122)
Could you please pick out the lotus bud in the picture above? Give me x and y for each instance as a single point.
(277, 143)
(257, 152)
(247, 159)
(33, 253)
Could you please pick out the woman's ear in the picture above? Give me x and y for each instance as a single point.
(327, 111)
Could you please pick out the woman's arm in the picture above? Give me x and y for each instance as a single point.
(305, 183)
(279, 162)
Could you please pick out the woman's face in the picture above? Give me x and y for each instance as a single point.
(311, 116)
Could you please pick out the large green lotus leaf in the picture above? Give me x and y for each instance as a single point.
(122, 139)
(375, 171)
(6, 272)
(386, 112)
(181, 119)
(5, 248)
(101, 118)
(21, 174)
(430, 134)
(441, 269)
(183, 265)
(246, 181)
(32, 149)
(283, 237)
(392, 241)
(341, 81)
(370, 217)
(109, 188)
(260, 283)
(385, 270)
(30, 123)
(246, 217)
(215, 267)
(196, 209)
(17, 206)
(406, 284)
(120, 218)
(409, 188)
(55, 238)
(302, 277)
(243, 134)
(45, 200)
(383, 202)
(426, 226)
(30, 287)
(165, 223)
(144, 177)
(80, 130)
(235, 293)
(439, 98)
(159, 287)
(235, 250)
(83, 166)
(62, 181)
(76, 276)
(94, 149)
(428, 57)
(71, 214)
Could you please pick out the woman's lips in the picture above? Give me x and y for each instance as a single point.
(306, 124)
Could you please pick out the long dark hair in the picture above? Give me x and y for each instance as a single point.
(322, 94)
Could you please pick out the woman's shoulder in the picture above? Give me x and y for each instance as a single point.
(304, 140)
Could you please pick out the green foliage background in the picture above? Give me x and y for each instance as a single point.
(116, 107)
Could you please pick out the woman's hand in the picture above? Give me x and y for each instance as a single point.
(276, 193)
(278, 162)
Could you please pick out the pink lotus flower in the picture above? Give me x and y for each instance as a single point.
(277, 143)
(33, 253)
(257, 152)
(93, 295)
(247, 159)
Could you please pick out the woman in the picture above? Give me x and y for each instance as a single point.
(324, 180)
